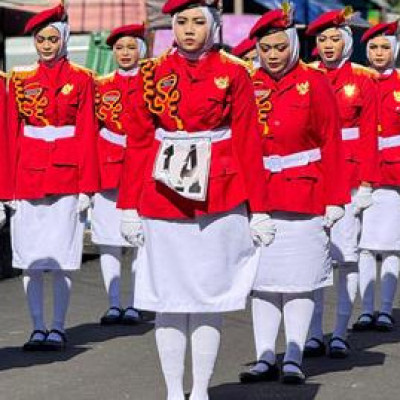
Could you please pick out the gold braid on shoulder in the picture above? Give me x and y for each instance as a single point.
(20, 97)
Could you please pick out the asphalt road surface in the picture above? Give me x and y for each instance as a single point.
(119, 363)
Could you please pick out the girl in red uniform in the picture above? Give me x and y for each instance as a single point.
(192, 177)
(303, 164)
(381, 222)
(356, 97)
(114, 94)
(53, 144)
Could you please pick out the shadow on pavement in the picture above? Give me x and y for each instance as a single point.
(80, 339)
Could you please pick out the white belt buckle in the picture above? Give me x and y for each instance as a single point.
(275, 164)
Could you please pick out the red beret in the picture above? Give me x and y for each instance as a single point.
(46, 17)
(330, 19)
(173, 6)
(275, 19)
(127, 30)
(380, 29)
(244, 47)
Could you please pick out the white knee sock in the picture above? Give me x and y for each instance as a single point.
(389, 277)
(131, 299)
(33, 286)
(316, 328)
(171, 339)
(267, 315)
(61, 293)
(298, 309)
(110, 261)
(205, 334)
(367, 267)
(346, 294)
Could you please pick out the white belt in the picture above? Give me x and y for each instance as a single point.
(388, 142)
(215, 135)
(279, 163)
(350, 133)
(49, 133)
(112, 137)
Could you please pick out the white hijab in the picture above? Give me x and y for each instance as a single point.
(294, 45)
(213, 23)
(395, 45)
(347, 36)
(64, 30)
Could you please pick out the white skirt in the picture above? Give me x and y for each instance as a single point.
(106, 220)
(48, 233)
(203, 265)
(298, 259)
(381, 221)
(345, 236)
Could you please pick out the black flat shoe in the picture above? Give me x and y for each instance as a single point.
(271, 374)
(55, 345)
(384, 326)
(311, 351)
(111, 319)
(362, 326)
(127, 319)
(292, 377)
(338, 352)
(35, 344)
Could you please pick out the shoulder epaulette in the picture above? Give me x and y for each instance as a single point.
(24, 71)
(313, 65)
(3, 75)
(81, 68)
(362, 70)
(103, 79)
(226, 57)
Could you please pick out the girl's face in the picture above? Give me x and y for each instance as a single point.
(126, 52)
(274, 51)
(330, 45)
(191, 30)
(250, 56)
(380, 53)
(48, 43)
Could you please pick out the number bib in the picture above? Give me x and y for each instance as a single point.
(184, 166)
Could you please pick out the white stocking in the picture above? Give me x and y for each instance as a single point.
(389, 277)
(61, 294)
(110, 261)
(33, 286)
(367, 268)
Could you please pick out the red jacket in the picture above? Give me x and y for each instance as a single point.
(61, 96)
(114, 96)
(5, 178)
(389, 125)
(298, 113)
(356, 96)
(195, 96)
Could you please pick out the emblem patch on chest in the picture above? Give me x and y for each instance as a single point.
(111, 97)
(32, 90)
(303, 88)
(349, 90)
(222, 82)
(67, 89)
(396, 96)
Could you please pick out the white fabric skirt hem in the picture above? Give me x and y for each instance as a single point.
(290, 289)
(75, 267)
(379, 247)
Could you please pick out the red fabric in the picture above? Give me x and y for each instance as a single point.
(214, 92)
(358, 108)
(114, 97)
(127, 30)
(330, 19)
(389, 125)
(45, 17)
(244, 47)
(5, 177)
(380, 29)
(299, 113)
(272, 19)
(172, 6)
(58, 96)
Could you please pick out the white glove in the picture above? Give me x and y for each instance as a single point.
(332, 215)
(262, 229)
(362, 199)
(132, 228)
(84, 203)
(3, 216)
